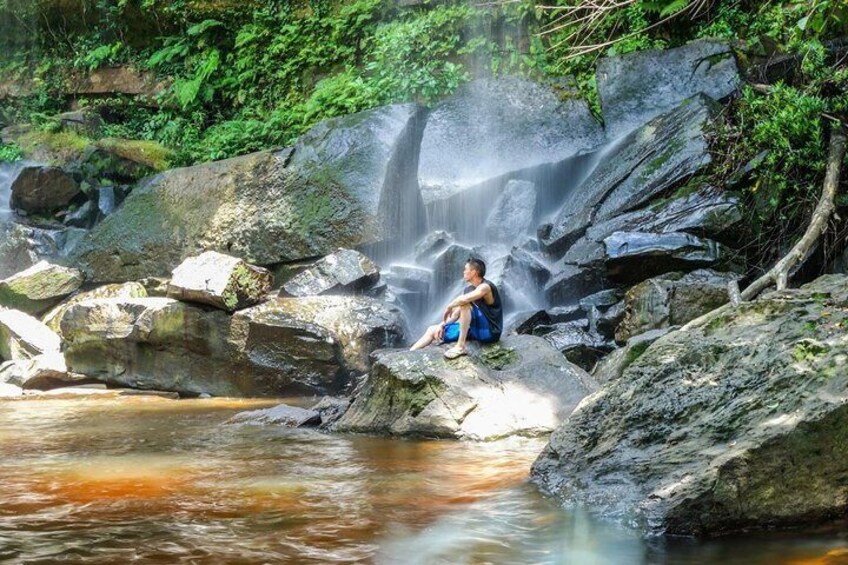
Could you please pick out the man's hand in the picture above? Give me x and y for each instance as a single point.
(440, 335)
(446, 316)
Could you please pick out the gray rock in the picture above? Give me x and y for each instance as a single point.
(526, 322)
(42, 372)
(448, 266)
(106, 200)
(431, 246)
(734, 426)
(39, 190)
(496, 127)
(646, 163)
(330, 409)
(24, 337)
(221, 281)
(285, 415)
(347, 182)
(522, 386)
(672, 300)
(521, 278)
(39, 288)
(407, 277)
(86, 122)
(637, 87)
(577, 343)
(343, 271)
(82, 217)
(512, 214)
(570, 283)
(632, 256)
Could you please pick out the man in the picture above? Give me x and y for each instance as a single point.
(476, 313)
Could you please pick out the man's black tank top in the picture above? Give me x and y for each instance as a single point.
(493, 312)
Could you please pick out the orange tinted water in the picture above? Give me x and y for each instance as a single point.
(151, 480)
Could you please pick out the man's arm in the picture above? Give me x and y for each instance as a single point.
(475, 294)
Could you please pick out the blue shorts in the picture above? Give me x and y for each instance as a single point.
(479, 330)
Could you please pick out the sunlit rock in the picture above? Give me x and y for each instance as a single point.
(53, 318)
(736, 425)
(343, 271)
(24, 337)
(219, 280)
(636, 87)
(521, 386)
(43, 372)
(39, 288)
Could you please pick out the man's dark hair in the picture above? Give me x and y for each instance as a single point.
(478, 265)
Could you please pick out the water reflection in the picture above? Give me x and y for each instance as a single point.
(160, 481)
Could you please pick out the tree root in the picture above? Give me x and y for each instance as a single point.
(778, 275)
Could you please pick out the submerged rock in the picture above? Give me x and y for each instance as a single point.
(500, 126)
(636, 87)
(347, 182)
(219, 280)
(39, 288)
(285, 415)
(343, 271)
(521, 386)
(735, 425)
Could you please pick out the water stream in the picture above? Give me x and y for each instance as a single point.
(150, 480)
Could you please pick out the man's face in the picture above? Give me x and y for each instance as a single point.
(467, 273)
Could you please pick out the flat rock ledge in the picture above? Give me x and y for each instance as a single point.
(739, 425)
(520, 386)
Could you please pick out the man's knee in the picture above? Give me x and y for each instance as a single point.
(433, 330)
(465, 307)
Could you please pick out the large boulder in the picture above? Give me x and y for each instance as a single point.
(38, 189)
(347, 182)
(156, 344)
(632, 256)
(24, 337)
(499, 127)
(637, 87)
(521, 386)
(343, 271)
(734, 425)
(219, 280)
(283, 346)
(39, 288)
(42, 372)
(672, 300)
(633, 171)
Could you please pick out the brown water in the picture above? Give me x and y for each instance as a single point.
(150, 480)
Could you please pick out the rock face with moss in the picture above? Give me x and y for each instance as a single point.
(521, 386)
(285, 346)
(39, 190)
(739, 424)
(39, 288)
(53, 318)
(348, 181)
(219, 280)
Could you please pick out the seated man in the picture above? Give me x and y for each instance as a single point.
(476, 313)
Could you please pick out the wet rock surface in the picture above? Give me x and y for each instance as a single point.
(38, 189)
(736, 425)
(521, 386)
(343, 271)
(637, 87)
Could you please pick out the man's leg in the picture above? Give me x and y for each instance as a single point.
(427, 338)
(464, 325)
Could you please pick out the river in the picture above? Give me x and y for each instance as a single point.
(108, 479)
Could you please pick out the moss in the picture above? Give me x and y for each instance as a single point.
(55, 148)
(148, 153)
(498, 357)
(634, 353)
(808, 350)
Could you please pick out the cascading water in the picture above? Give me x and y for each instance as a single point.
(7, 175)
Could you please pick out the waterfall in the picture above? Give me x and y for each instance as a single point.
(8, 172)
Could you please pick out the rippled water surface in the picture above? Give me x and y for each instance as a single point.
(150, 480)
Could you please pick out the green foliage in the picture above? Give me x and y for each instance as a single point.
(10, 153)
